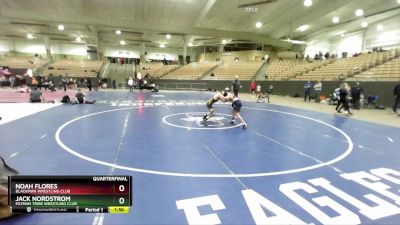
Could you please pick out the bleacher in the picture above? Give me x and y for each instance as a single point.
(276, 68)
(344, 68)
(245, 70)
(191, 71)
(164, 70)
(150, 68)
(23, 62)
(304, 67)
(74, 68)
(388, 71)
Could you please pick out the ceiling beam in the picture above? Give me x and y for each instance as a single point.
(140, 25)
(372, 18)
(204, 11)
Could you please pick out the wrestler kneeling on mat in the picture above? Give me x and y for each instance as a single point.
(219, 96)
(236, 105)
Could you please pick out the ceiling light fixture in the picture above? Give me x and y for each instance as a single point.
(162, 45)
(118, 32)
(335, 19)
(122, 42)
(190, 44)
(359, 12)
(379, 27)
(224, 41)
(307, 3)
(303, 28)
(342, 35)
(259, 24)
(29, 36)
(364, 24)
(78, 39)
(168, 36)
(340, 32)
(60, 27)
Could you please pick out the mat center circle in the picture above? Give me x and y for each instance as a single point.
(194, 121)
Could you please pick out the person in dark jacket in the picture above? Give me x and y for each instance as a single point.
(356, 93)
(344, 99)
(89, 84)
(81, 98)
(307, 90)
(396, 94)
(236, 86)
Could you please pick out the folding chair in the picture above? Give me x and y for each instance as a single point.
(371, 100)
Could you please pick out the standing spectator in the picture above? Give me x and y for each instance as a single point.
(396, 93)
(114, 84)
(259, 94)
(236, 86)
(71, 83)
(99, 84)
(51, 86)
(269, 91)
(356, 93)
(36, 95)
(34, 82)
(130, 84)
(64, 83)
(318, 89)
(89, 84)
(307, 90)
(12, 82)
(344, 99)
(253, 86)
(39, 80)
(2, 80)
(326, 55)
(45, 83)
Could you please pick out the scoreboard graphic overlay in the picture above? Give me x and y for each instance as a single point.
(73, 194)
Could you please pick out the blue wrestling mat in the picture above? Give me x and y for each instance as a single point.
(289, 166)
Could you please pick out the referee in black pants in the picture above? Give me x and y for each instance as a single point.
(396, 94)
(236, 86)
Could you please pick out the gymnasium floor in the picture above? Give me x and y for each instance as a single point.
(289, 166)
